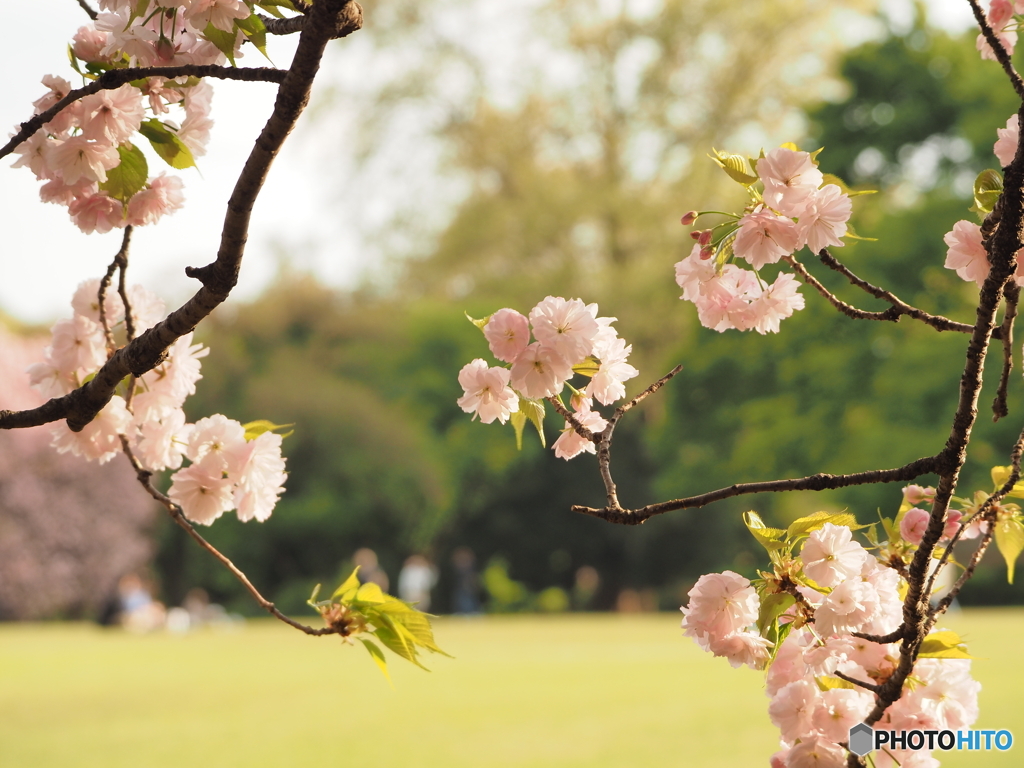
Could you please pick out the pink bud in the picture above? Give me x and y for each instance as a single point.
(915, 494)
(705, 237)
(689, 218)
(913, 525)
(695, 234)
(707, 253)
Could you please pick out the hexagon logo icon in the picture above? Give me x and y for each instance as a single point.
(862, 739)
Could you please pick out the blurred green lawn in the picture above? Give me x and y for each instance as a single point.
(524, 691)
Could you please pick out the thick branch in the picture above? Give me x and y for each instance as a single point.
(818, 482)
(145, 478)
(328, 19)
(997, 48)
(115, 78)
(999, 406)
(90, 11)
(287, 26)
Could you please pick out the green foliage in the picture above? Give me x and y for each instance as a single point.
(167, 144)
(359, 610)
(1010, 540)
(256, 428)
(943, 645)
(129, 176)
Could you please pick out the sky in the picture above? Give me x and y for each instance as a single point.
(299, 212)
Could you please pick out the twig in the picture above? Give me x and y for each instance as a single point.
(999, 406)
(122, 290)
(88, 9)
(120, 260)
(891, 314)
(899, 307)
(575, 423)
(328, 20)
(144, 476)
(892, 637)
(866, 686)
(287, 26)
(115, 78)
(997, 48)
(818, 482)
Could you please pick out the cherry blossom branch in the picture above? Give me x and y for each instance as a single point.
(892, 314)
(329, 19)
(819, 482)
(892, 637)
(287, 26)
(999, 406)
(145, 478)
(88, 9)
(122, 290)
(120, 260)
(997, 48)
(899, 307)
(860, 683)
(115, 78)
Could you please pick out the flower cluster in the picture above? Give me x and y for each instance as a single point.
(800, 623)
(793, 208)
(1001, 19)
(569, 338)
(232, 467)
(88, 156)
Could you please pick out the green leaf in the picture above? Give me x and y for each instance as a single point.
(587, 367)
(256, 428)
(348, 588)
(400, 640)
(370, 593)
(831, 683)
(74, 60)
(129, 176)
(167, 144)
(378, 656)
(988, 186)
(735, 166)
(772, 606)
(312, 597)
(478, 323)
(419, 627)
(518, 420)
(533, 410)
(999, 477)
(140, 11)
(225, 41)
(270, 6)
(943, 645)
(256, 32)
(1010, 540)
(769, 538)
(811, 523)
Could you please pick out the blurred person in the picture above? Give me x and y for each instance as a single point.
(416, 580)
(588, 580)
(369, 569)
(139, 611)
(467, 582)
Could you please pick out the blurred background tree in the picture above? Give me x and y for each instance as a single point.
(564, 171)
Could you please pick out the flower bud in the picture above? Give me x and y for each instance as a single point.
(705, 237)
(707, 253)
(689, 218)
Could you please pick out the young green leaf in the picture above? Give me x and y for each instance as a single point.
(129, 176)
(255, 31)
(811, 523)
(1010, 540)
(735, 166)
(348, 588)
(478, 323)
(988, 186)
(533, 410)
(588, 367)
(378, 656)
(769, 538)
(944, 645)
(225, 41)
(999, 477)
(772, 606)
(256, 428)
(167, 144)
(370, 593)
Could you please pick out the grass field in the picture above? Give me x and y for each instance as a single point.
(528, 692)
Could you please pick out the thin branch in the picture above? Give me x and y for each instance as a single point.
(115, 78)
(122, 290)
(120, 260)
(891, 314)
(997, 48)
(570, 417)
(287, 26)
(144, 476)
(944, 603)
(328, 20)
(892, 637)
(999, 406)
(898, 309)
(90, 11)
(818, 482)
(866, 686)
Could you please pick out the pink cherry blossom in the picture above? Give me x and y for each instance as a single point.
(148, 309)
(916, 494)
(570, 443)
(97, 213)
(764, 238)
(692, 272)
(88, 44)
(262, 479)
(221, 13)
(85, 302)
(789, 178)
(566, 326)
(112, 116)
(218, 442)
(1006, 146)
(741, 648)
(35, 155)
(725, 300)
(178, 374)
(792, 710)
(195, 132)
(540, 371)
(162, 439)
(816, 751)
(720, 604)
(1000, 18)
(839, 710)
(78, 158)
(779, 301)
(507, 334)
(967, 254)
(67, 117)
(78, 345)
(830, 555)
(847, 608)
(160, 197)
(202, 491)
(823, 218)
(100, 439)
(487, 393)
(56, 191)
(607, 384)
(913, 525)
